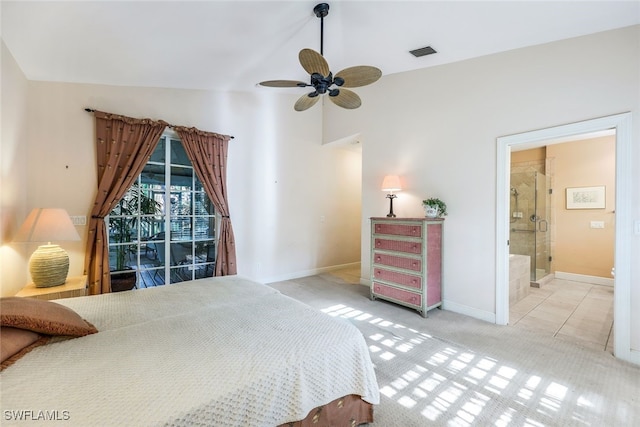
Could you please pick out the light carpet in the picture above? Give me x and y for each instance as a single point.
(453, 370)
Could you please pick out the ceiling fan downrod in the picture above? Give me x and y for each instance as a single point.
(321, 10)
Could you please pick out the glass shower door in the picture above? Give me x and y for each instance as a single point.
(529, 218)
(542, 240)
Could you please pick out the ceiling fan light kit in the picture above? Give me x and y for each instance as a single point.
(323, 80)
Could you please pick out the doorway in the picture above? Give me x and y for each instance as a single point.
(570, 298)
(621, 123)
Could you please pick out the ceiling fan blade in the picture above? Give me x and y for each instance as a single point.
(313, 62)
(305, 102)
(283, 83)
(346, 99)
(360, 75)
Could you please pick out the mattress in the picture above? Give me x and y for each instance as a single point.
(221, 351)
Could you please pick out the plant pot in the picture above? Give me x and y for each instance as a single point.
(431, 211)
(123, 281)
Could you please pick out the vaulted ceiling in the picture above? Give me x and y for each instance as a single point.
(233, 45)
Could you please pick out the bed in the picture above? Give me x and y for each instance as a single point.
(219, 351)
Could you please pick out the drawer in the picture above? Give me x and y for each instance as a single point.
(400, 278)
(407, 297)
(398, 245)
(410, 230)
(398, 261)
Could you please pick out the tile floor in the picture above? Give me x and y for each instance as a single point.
(574, 311)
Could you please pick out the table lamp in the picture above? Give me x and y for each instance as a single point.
(49, 264)
(391, 183)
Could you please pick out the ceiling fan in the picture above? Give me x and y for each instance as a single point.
(322, 79)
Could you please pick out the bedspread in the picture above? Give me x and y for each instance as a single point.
(217, 351)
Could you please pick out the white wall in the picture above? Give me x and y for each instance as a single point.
(13, 171)
(437, 128)
(291, 198)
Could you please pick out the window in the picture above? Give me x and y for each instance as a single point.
(164, 226)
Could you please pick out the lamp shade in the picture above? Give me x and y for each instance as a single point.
(47, 225)
(49, 264)
(391, 183)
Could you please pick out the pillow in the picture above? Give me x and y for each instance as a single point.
(15, 343)
(42, 316)
(13, 340)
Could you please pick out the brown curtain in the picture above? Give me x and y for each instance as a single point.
(123, 146)
(208, 154)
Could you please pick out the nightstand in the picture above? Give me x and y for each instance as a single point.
(73, 287)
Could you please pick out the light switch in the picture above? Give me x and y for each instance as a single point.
(597, 224)
(79, 219)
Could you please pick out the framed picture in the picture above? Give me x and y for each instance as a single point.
(586, 197)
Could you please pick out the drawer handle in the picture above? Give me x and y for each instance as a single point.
(414, 264)
(414, 281)
(378, 258)
(413, 299)
(378, 244)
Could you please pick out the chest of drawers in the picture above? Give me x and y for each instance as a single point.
(406, 261)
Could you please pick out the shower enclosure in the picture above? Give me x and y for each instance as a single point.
(529, 221)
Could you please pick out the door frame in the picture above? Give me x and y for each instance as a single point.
(623, 232)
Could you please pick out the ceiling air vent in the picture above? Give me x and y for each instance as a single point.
(422, 51)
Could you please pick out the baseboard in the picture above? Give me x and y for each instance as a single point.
(469, 311)
(595, 280)
(311, 272)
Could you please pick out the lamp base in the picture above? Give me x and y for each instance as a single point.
(49, 266)
(391, 197)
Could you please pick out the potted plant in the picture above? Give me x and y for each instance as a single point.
(122, 225)
(434, 207)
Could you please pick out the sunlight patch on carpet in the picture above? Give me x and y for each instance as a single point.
(456, 386)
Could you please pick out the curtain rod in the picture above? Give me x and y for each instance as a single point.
(91, 110)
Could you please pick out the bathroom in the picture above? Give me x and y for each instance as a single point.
(573, 244)
(530, 222)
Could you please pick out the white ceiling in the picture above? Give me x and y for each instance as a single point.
(233, 45)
